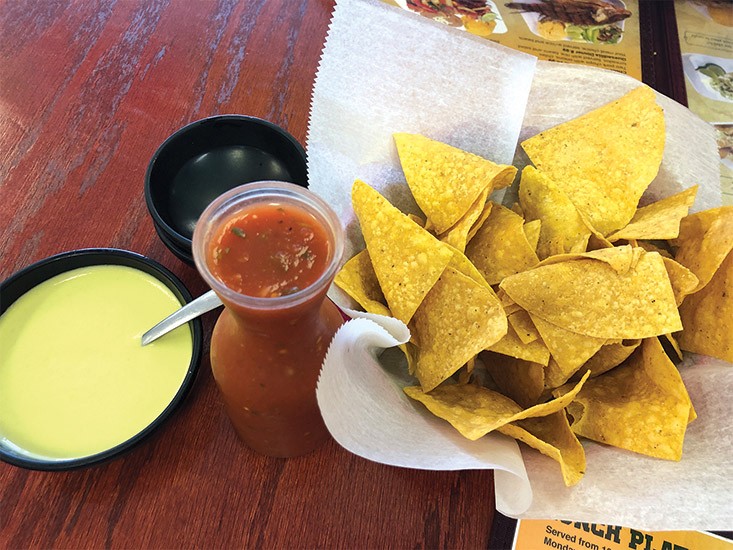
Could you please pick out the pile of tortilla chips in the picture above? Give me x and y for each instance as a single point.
(555, 318)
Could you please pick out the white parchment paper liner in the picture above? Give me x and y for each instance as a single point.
(384, 70)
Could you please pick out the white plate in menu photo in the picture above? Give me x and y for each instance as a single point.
(457, 21)
(702, 83)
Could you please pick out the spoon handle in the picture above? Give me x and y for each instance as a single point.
(199, 306)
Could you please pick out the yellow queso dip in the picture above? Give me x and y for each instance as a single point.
(74, 377)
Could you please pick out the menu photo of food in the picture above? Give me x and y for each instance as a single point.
(720, 11)
(712, 77)
(479, 17)
(724, 137)
(588, 21)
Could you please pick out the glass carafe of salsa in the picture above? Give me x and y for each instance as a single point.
(270, 250)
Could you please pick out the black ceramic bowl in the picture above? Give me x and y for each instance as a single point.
(24, 280)
(207, 158)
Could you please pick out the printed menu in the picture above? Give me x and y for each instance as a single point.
(598, 33)
(705, 31)
(568, 535)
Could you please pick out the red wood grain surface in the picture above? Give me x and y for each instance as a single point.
(88, 90)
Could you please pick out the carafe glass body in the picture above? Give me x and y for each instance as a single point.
(266, 352)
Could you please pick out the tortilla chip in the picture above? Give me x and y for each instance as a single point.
(676, 351)
(581, 245)
(620, 258)
(532, 232)
(457, 319)
(654, 247)
(667, 378)
(480, 221)
(659, 220)
(590, 297)
(509, 305)
(552, 436)
(554, 247)
(358, 280)
(410, 351)
(512, 345)
(406, 259)
(500, 247)
(683, 280)
(457, 236)
(605, 159)
(464, 374)
(542, 199)
(672, 349)
(596, 241)
(707, 316)
(417, 219)
(569, 351)
(475, 411)
(471, 365)
(705, 239)
(444, 180)
(641, 406)
(460, 263)
(524, 326)
(521, 381)
(609, 356)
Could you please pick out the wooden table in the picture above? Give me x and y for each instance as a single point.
(88, 90)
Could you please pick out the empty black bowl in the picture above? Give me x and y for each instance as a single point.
(207, 158)
(24, 280)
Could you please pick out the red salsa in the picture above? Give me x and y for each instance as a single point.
(269, 250)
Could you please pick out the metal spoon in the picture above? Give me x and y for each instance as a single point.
(199, 306)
